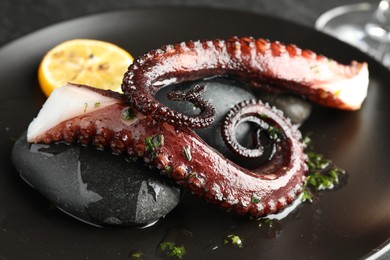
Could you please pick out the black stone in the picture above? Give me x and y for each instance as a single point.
(293, 107)
(223, 94)
(95, 186)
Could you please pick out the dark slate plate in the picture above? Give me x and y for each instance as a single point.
(349, 223)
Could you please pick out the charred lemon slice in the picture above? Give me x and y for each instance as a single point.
(91, 62)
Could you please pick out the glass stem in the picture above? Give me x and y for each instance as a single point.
(378, 28)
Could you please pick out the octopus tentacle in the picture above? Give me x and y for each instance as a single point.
(178, 152)
(248, 111)
(207, 110)
(263, 64)
(237, 115)
(269, 120)
(136, 124)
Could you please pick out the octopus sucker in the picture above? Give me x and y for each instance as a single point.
(137, 124)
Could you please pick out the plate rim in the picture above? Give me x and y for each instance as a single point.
(3, 48)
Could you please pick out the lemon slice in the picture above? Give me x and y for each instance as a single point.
(91, 62)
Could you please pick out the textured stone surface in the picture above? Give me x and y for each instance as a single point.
(95, 186)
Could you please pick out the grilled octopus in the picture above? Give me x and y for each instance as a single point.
(137, 124)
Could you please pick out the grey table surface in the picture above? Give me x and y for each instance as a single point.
(20, 17)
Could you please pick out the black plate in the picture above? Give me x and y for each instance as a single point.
(349, 223)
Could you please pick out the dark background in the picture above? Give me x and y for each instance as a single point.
(19, 17)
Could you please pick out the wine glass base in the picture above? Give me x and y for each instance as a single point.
(347, 23)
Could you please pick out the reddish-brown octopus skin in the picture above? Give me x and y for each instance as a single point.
(183, 156)
(263, 64)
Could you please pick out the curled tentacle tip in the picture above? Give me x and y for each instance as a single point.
(207, 111)
(269, 121)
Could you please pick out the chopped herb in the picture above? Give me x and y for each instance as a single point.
(335, 173)
(323, 181)
(319, 181)
(187, 153)
(322, 175)
(152, 142)
(148, 143)
(234, 240)
(317, 162)
(263, 116)
(97, 104)
(171, 249)
(136, 255)
(307, 195)
(274, 133)
(255, 199)
(85, 107)
(306, 140)
(167, 168)
(192, 174)
(127, 114)
(268, 222)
